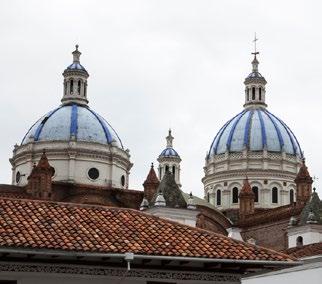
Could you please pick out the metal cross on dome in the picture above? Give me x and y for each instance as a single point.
(255, 49)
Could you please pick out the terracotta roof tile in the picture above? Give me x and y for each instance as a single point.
(308, 250)
(50, 225)
(270, 215)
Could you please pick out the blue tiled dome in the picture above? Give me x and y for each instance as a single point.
(69, 121)
(76, 66)
(255, 129)
(169, 152)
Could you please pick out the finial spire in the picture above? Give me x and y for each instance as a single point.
(255, 47)
(76, 54)
(169, 139)
(255, 61)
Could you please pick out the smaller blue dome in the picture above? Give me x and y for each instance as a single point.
(255, 75)
(76, 66)
(169, 152)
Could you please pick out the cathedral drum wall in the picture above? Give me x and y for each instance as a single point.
(75, 164)
(264, 174)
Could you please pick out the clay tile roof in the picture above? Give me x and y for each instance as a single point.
(152, 177)
(87, 228)
(270, 215)
(308, 250)
(13, 191)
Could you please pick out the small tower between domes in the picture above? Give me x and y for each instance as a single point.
(169, 160)
(75, 81)
(246, 200)
(303, 182)
(255, 91)
(40, 179)
(151, 184)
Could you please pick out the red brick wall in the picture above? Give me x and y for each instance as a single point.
(270, 235)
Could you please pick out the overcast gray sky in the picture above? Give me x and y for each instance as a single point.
(160, 64)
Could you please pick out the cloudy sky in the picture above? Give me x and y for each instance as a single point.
(160, 64)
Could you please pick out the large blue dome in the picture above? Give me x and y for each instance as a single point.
(72, 121)
(255, 129)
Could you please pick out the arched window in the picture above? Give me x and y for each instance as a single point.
(65, 87)
(166, 168)
(291, 196)
(123, 180)
(299, 241)
(218, 195)
(274, 195)
(79, 87)
(260, 94)
(253, 93)
(235, 195)
(208, 196)
(255, 190)
(71, 86)
(173, 170)
(247, 94)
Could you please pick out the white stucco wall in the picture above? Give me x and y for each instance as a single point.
(310, 274)
(311, 233)
(183, 216)
(72, 160)
(265, 170)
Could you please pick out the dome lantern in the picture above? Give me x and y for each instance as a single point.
(75, 81)
(255, 85)
(169, 160)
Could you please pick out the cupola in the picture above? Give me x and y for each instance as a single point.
(255, 85)
(75, 81)
(169, 160)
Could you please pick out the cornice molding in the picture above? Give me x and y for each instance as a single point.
(118, 272)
